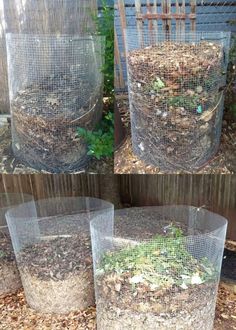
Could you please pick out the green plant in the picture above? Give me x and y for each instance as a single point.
(2, 254)
(101, 140)
(190, 102)
(163, 261)
(105, 27)
(157, 84)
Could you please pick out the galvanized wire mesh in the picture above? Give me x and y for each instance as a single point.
(159, 269)
(176, 99)
(9, 275)
(51, 240)
(55, 87)
(46, 17)
(211, 15)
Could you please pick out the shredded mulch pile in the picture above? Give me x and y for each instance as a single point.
(56, 259)
(6, 250)
(223, 162)
(9, 164)
(176, 102)
(45, 117)
(15, 314)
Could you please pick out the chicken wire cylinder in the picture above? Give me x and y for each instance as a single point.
(46, 17)
(176, 96)
(9, 275)
(51, 240)
(159, 269)
(56, 86)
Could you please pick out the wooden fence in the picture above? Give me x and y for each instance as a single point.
(166, 16)
(215, 192)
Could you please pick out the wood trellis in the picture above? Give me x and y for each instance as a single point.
(171, 13)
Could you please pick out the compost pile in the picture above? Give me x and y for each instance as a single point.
(57, 273)
(176, 103)
(45, 120)
(9, 275)
(156, 284)
(56, 259)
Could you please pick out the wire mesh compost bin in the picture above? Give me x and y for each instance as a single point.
(9, 275)
(159, 270)
(51, 240)
(176, 99)
(56, 86)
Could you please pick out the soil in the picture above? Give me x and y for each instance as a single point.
(57, 274)
(10, 280)
(45, 117)
(126, 162)
(175, 103)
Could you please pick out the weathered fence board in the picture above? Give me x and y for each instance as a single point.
(216, 192)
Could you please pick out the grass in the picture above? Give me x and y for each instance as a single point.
(163, 262)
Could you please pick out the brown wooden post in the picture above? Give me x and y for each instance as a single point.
(121, 8)
(193, 11)
(183, 21)
(139, 21)
(154, 11)
(119, 79)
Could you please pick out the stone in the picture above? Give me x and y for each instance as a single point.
(199, 89)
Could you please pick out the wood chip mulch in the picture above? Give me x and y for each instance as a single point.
(224, 161)
(15, 314)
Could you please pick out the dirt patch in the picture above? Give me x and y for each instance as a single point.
(57, 274)
(10, 280)
(126, 162)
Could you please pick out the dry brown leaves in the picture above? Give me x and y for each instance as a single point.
(225, 309)
(224, 161)
(15, 314)
(9, 164)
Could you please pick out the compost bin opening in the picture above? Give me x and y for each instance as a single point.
(159, 270)
(56, 86)
(175, 94)
(51, 240)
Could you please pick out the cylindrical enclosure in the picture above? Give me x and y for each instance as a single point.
(51, 240)
(47, 17)
(9, 275)
(56, 86)
(159, 270)
(176, 99)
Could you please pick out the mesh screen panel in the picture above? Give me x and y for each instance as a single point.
(56, 86)
(9, 276)
(176, 99)
(159, 269)
(51, 240)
